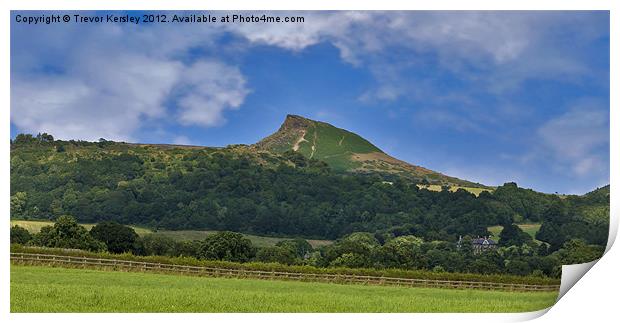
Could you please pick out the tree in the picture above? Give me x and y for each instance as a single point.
(226, 245)
(543, 250)
(283, 255)
(188, 248)
(20, 235)
(512, 235)
(18, 204)
(24, 139)
(466, 247)
(403, 252)
(356, 248)
(45, 137)
(350, 260)
(552, 234)
(484, 265)
(577, 251)
(364, 239)
(117, 237)
(518, 267)
(155, 244)
(300, 247)
(67, 233)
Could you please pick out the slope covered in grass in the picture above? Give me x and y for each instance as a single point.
(345, 151)
(35, 226)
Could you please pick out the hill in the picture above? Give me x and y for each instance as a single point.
(345, 151)
(258, 191)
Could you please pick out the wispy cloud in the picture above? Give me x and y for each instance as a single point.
(209, 89)
(109, 81)
(579, 138)
(503, 48)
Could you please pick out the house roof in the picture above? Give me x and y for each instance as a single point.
(484, 241)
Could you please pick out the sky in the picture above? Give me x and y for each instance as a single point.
(490, 97)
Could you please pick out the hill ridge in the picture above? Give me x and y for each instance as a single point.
(346, 151)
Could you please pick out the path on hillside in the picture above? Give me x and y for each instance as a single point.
(300, 140)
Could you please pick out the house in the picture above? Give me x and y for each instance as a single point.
(479, 244)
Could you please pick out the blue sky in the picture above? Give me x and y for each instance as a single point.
(485, 96)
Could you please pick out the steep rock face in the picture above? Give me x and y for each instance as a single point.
(291, 131)
(346, 151)
(294, 122)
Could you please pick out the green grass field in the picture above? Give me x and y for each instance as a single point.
(180, 235)
(35, 226)
(50, 289)
(259, 241)
(530, 228)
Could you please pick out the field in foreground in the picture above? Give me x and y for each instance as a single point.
(50, 289)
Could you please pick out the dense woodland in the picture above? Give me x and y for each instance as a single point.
(243, 190)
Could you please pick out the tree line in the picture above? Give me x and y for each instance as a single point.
(356, 250)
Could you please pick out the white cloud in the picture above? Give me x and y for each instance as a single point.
(111, 81)
(579, 138)
(317, 27)
(504, 48)
(212, 87)
(97, 98)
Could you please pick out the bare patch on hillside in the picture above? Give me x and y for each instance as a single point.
(300, 140)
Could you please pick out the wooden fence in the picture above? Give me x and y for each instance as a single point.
(116, 264)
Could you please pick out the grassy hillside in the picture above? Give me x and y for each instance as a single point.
(345, 151)
(530, 228)
(47, 289)
(334, 146)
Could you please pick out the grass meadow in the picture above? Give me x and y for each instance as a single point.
(529, 228)
(258, 241)
(52, 289)
(34, 226)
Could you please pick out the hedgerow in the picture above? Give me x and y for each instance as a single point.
(395, 273)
